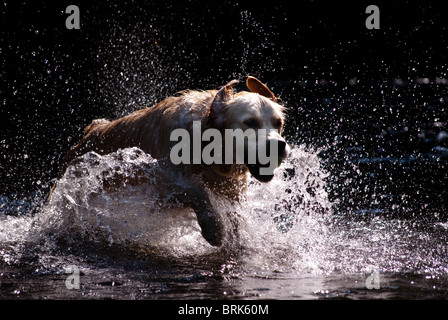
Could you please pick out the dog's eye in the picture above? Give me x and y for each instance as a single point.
(251, 123)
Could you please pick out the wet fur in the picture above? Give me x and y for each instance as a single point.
(149, 129)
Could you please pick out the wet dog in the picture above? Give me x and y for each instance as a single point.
(151, 130)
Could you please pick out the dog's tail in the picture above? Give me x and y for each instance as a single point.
(91, 129)
(95, 125)
(91, 132)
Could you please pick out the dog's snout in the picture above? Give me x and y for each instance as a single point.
(282, 148)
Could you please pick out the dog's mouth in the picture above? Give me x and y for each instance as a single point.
(254, 170)
(265, 172)
(257, 169)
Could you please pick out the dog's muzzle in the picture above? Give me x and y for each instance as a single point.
(264, 170)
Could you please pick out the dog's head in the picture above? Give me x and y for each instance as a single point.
(254, 120)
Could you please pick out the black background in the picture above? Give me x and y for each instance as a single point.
(338, 79)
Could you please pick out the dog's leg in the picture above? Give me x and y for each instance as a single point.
(210, 222)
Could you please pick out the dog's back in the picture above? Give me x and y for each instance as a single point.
(149, 128)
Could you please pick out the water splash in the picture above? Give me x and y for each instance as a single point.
(86, 206)
(285, 225)
(257, 40)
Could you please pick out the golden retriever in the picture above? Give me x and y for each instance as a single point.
(151, 129)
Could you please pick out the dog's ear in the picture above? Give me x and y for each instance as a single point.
(224, 94)
(257, 86)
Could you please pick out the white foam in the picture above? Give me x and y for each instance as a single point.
(286, 224)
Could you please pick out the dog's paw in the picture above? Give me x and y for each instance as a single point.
(211, 226)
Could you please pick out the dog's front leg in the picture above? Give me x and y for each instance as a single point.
(209, 221)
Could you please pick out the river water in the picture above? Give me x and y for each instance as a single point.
(358, 211)
(291, 243)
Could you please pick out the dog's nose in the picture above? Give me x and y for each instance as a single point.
(282, 148)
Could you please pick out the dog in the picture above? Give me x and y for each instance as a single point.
(150, 130)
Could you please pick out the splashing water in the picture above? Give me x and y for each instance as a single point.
(272, 219)
(287, 226)
(284, 225)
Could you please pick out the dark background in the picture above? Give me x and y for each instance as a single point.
(354, 92)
